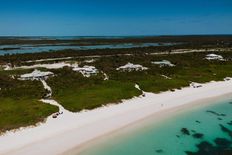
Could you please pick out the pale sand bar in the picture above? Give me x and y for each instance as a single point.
(71, 130)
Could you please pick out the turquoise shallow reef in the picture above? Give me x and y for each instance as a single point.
(205, 130)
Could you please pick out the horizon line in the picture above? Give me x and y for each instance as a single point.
(113, 35)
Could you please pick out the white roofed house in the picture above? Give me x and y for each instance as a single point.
(36, 75)
(86, 71)
(132, 67)
(214, 57)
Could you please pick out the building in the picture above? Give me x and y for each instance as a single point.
(214, 57)
(36, 75)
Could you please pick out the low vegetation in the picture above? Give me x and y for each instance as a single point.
(19, 100)
(22, 112)
(76, 93)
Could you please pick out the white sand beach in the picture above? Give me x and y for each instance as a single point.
(70, 130)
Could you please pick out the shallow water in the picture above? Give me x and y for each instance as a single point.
(21, 49)
(211, 125)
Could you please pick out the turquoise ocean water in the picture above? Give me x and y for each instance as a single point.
(205, 130)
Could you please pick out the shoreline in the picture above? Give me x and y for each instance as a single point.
(78, 129)
(135, 126)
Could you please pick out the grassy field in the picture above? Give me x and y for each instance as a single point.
(22, 112)
(76, 93)
(76, 99)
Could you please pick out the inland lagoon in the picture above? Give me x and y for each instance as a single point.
(23, 45)
(203, 130)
